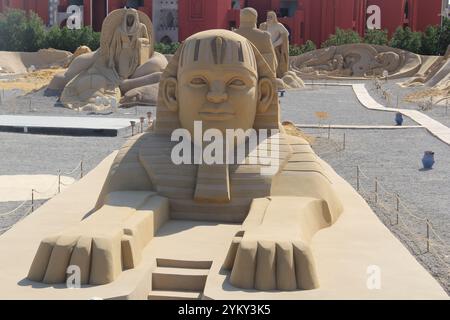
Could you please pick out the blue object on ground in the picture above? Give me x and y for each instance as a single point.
(428, 160)
(399, 118)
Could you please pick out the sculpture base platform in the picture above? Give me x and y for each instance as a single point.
(71, 126)
(186, 250)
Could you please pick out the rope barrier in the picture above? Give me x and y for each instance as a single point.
(13, 211)
(45, 194)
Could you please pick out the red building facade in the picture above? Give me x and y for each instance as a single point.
(306, 20)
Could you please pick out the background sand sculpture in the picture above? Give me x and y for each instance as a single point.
(125, 61)
(356, 61)
(23, 62)
(435, 77)
(145, 188)
(272, 40)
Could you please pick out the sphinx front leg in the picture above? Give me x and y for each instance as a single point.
(106, 243)
(272, 252)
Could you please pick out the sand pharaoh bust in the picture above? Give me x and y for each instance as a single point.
(219, 78)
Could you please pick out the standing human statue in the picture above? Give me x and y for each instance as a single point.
(280, 41)
(260, 39)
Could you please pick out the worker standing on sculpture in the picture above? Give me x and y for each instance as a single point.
(261, 39)
(280, 41)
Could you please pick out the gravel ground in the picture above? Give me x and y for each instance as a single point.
(438, 112)
(397, 165)
(42, 154)
(340, 103)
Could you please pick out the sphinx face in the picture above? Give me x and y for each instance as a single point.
(220, 96)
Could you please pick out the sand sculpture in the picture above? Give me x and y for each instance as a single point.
(279, 37)
(125, 61)
(434, 76)
(23, 62)
(261, 39)
(356, 60)
(219, 78)
(280, 41)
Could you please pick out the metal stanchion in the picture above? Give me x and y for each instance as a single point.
(376, 190)
(397, 198)
(357, 178)
(428, 235)
(133, 124)
(59, 181)
(142, 124)
(81, 170)
(32, 200)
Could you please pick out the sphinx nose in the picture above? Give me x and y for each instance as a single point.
(217, 92)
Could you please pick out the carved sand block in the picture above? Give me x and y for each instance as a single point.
(220, 79)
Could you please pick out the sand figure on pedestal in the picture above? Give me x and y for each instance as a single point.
(279, 38)
(280, 41)
(220, 79)
(261, 39)
(125, 61)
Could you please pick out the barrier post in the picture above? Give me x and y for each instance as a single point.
(59, 181)
(376, 190)
(397, 198)
(428, 236)
(32, 200)
(357, 178)
(81, 169)
(345, 142)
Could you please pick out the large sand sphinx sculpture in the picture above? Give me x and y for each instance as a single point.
(124, 68)
(356, 61)
(272, 41)
(220, 78)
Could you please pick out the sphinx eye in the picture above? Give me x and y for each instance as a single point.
(237, 83)
(198, 81)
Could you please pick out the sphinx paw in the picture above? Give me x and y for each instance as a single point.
(274, 265)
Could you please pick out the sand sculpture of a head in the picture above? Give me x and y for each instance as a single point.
(249, 17)
(219, 78)
(272, 18)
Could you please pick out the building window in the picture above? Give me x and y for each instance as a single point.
(197, 7)
(288, 8)
(135, 4)
(76, 2)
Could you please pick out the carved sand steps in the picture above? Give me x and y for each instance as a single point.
(179, 279)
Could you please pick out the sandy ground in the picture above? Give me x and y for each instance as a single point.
(31, 81)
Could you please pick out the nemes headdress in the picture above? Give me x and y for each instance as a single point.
(216, 47)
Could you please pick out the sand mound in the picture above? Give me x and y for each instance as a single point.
(31, 81)
(22, 62)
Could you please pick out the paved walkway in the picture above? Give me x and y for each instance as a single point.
(434, 127)
(366, 127)
(64, 125)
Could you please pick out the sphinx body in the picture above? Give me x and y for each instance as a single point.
(220, 79)
(125, 61)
